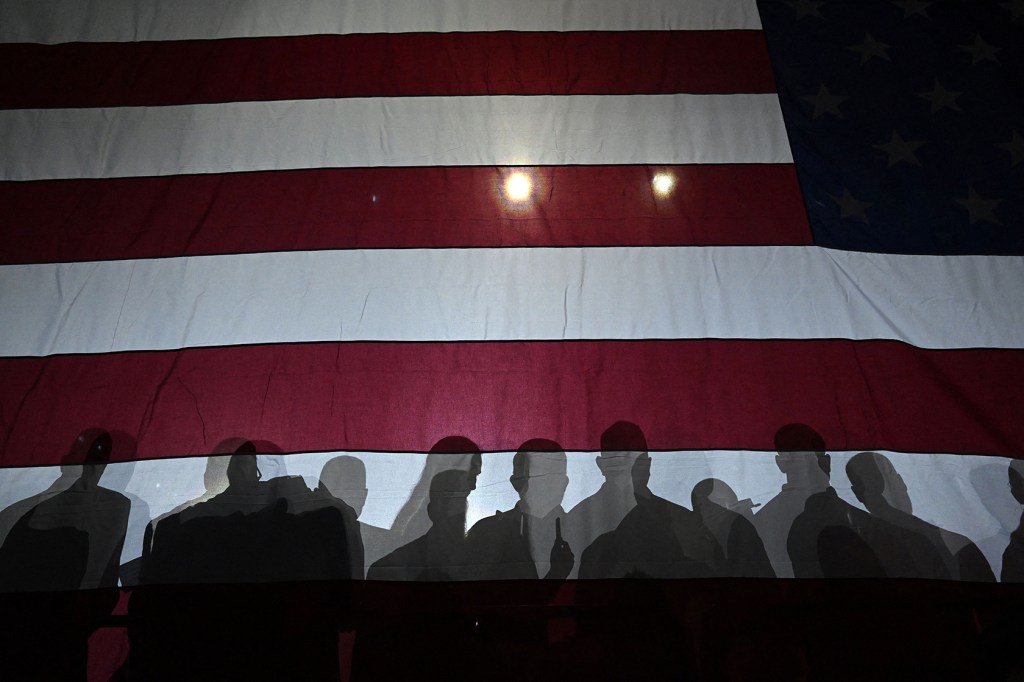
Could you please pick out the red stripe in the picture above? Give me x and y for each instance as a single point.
(73, 220)
(699, 394)
(378, 65)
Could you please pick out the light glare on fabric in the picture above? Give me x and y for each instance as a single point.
(518, 187)
(663, 184)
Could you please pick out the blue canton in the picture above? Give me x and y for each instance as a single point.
(906, 121)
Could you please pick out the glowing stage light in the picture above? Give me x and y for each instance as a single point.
(663, 183)
(518, 187)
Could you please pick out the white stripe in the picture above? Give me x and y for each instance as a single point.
(399, 131)
(511, 294)
(59, 21)
(976, 485)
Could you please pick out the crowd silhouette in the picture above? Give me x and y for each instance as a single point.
(248, 531)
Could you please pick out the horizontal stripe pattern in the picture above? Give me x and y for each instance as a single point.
(357, 350)
(369, 208)
(405, 396)
(418, 131)
(510, 294)
(57, 21)
(383, 65)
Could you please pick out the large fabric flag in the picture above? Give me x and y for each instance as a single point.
(358, 229)
(298, 294)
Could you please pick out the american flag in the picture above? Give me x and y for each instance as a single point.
(223, 221)
(363, 227)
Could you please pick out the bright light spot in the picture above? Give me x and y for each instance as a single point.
(518, 187)
(663, 184)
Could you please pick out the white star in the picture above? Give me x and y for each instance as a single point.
(825, 102)
(1016, 148)
(912, 7)
(806, 8)
(941, 98)
(870, 48)
(979, 209)
(980, 50)
(850, 207)
(899, 150)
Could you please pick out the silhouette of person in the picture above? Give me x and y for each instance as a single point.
(656, 539)
(832, 539)
(801, 457)
(117, 479)
(990, 484)
(344, 477)
(429, 626)
(621, 444)
(810, 532)
(101, 514)
(240, 534)
(68, 474)
(451, 452)
(70, 541)
(828, 537)
(730, 521)
(526, 541)
(427, 631)
(439, 553)
(215, 481)
(1013, 555)
(883, 492)
(263, 561)
(217, 540)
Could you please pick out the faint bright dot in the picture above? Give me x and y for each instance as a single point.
(663, 184)
(373, 198)
(518, 187)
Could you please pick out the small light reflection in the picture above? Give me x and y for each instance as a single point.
(518, 187)
(663, 184)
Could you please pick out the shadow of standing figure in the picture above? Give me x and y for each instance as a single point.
(440, 553)
(1013, 555)
(418, 627)
(451, 452)
(60, 561)
(262, 561)
(344, 478)
(602, 512)
(882, 491)
(730, 522)
(801, 456)
(526, 541)
(656, 539)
